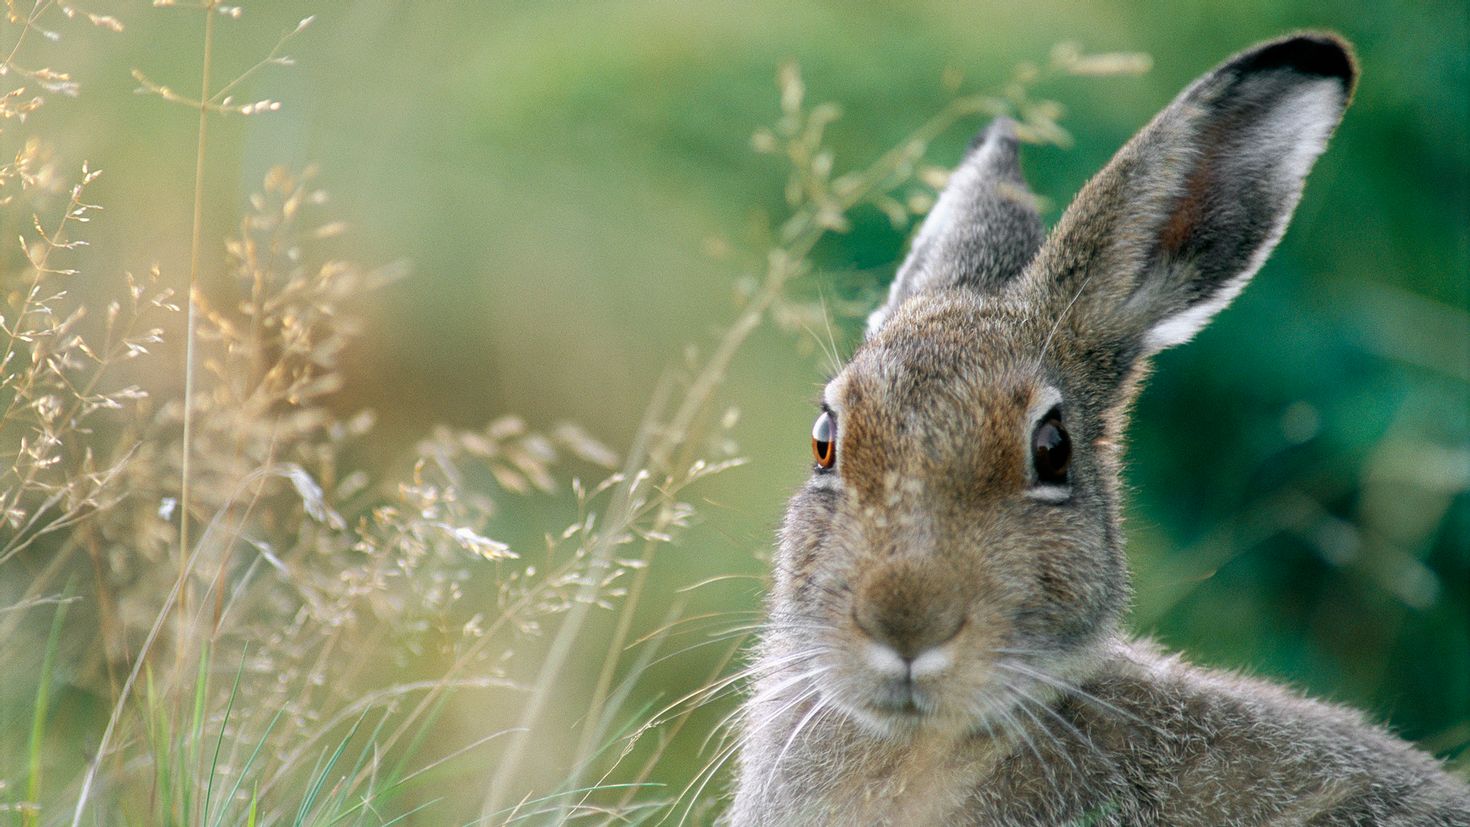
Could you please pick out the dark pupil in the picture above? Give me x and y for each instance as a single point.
(822, 441)
(1051, 448)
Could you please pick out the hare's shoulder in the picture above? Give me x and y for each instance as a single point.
(1149, 739)
(1188, 744)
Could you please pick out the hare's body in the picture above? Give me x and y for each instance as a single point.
(1153, 740)
(944, 643)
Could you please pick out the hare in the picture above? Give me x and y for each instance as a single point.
(944, 642)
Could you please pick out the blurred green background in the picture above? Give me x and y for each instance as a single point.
(573, 187)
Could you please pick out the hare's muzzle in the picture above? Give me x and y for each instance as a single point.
(908, 610)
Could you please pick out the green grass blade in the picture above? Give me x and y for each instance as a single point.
(38, 719)
(244, 768)
(340, 799)
(431, 802)
(419, 737)
(304, 805)
(544, 799)
(320, 779)
(393, 783)
(220, 739)
(188, 776)
(159, 736)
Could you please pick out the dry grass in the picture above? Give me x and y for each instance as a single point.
(240, 617)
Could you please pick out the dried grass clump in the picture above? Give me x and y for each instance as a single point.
(270, 634)
(56, 367)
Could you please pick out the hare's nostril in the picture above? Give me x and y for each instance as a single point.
(908, 630)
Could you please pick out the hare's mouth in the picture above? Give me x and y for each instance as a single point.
(903, 700)
(890, 707)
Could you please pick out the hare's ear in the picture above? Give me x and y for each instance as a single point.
(1170, 231)
(980, 234)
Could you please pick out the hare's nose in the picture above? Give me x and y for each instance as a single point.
(908, 611)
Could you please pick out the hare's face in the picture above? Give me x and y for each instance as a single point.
(957, 552)
(941, 557)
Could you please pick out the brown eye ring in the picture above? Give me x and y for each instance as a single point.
(1051, 449)
(824, 440)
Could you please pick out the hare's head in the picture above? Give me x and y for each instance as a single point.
(958, 548)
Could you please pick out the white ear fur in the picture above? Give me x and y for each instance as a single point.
(1285, 143)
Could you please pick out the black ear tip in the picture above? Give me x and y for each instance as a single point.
(1001, 129)
(1318, 54)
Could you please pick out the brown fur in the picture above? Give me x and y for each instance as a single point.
(944, 642)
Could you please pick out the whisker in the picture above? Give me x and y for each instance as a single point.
(831, 339)
(1016, 729)
(778, 688)
(1081, 694)
(709, 770)
(706, 772)
(713, 639)
(1017, 651)
(1046, 346)
(801, 725)
(713, 688)
(1071, 689)
(669, 627)
(1022, 704)
(722, 728)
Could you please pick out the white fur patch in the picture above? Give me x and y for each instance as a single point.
(930, 662)
(832, 396)
(825, 482)
(1049, 493)
(1043, 400)
(884, 660)
(887, 662)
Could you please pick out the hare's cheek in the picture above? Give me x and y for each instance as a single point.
(803, 542)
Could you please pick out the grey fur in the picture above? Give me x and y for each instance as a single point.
(944, 646)
(999, 235)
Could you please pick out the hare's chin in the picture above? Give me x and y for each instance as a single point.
(895, 723)
(890, 712)
(901, 724)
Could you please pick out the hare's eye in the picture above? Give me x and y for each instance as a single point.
(824, 440)
(1051, 449)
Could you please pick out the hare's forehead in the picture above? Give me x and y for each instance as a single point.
(958, 330)
(938, 354)
(902, 384)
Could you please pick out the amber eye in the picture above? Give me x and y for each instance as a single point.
(1051, 449)
(824, 440)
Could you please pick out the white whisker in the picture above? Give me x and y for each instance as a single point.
(1022, 703)
(817, 707)
(1069, 688)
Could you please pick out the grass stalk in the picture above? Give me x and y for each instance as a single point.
(567, 632)
(192, 320)
(190, 753)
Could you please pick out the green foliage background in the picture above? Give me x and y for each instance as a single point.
(574, 189)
